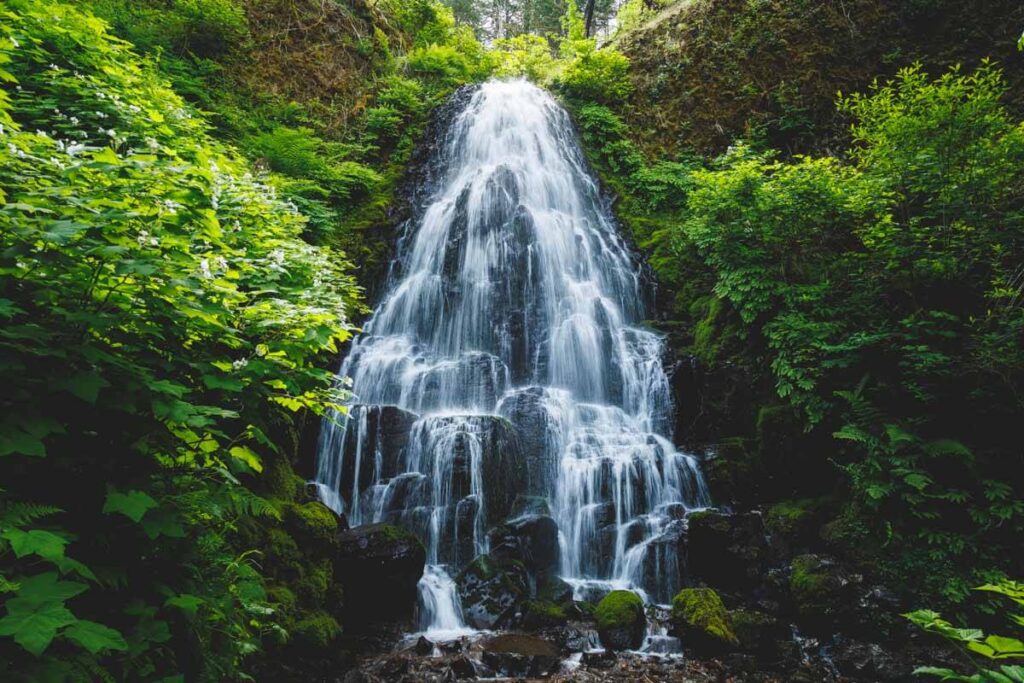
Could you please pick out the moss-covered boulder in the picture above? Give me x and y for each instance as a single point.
(492, 591)
(538, 614)
(312, 524)
(620, 620)
(315, 632)
(700, 620)
(795, 523)
(378, 566)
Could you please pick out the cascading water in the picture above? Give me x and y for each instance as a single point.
(507, 359)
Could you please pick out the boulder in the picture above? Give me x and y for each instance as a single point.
(762, 635)
(491, 591)
(824, 593)
(518, 656)
(701, 621)
(530, 539)
(378, 566)
(620, 620)
(726, 551)
(869, 661)
(526, 410)
(664, 562)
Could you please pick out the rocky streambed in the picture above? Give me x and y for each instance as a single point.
(759, 604)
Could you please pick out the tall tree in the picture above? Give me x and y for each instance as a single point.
(588, 18)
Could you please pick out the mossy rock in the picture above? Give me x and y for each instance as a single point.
(620, 620)
(491, 591)
(539, 614)
(702, 622)
(280, 481)
(796, 520)
(282, 557)
(758, 632)
(316, 632)
(313, 586)
(808, 580)
(313, 524)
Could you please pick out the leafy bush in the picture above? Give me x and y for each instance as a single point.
(161, 319)
(879, 290)
(974, 643)
(596, 75)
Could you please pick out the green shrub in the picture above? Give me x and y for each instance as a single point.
(161, 318)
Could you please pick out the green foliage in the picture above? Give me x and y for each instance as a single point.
(974, 643)
(161, 316)
(592, 74)
(878, 288)
(205, 28)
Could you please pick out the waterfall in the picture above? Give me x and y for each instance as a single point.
(507, 359)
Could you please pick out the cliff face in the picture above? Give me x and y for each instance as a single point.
(709, 71)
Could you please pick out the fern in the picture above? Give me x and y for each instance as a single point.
(18, 514)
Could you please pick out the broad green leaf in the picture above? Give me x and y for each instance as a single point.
(248, 456)
(35, 626)
(132, 504)
(45, 544)
(95, 637)
(84, 385)
(189, 604)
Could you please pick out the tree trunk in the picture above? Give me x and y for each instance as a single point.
(588, 18)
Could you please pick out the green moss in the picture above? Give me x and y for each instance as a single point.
(315, 583)
(790, 517)
(715, 332)
(397, 533)
(806, 580)
(619, 609)
(282, 598)
(280, 481)
(539, 614)
(701, 610)
(317, 631)
(312, 523)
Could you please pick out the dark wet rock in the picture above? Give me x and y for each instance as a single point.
(664, 562)
(529, 416)
(701, 621)
(530, 505)
(460, 669)
(709, 402)
(603, 659)
(552, 588)
(579, 636)
(423, 647)
(824, 593)
(492, 592)
(378, 566)
(517, 655)
(387, 432)
(621, 622)
(727, 551)
(532, 540)
(869, 661)
(763, 635)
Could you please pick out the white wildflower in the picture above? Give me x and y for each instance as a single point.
(240, 363)
(204, 269)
